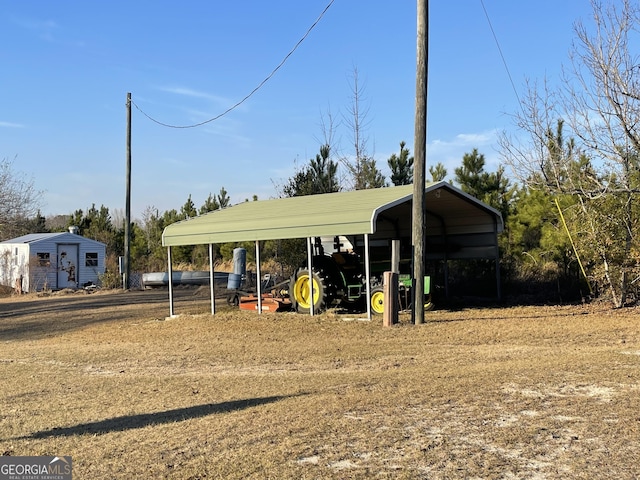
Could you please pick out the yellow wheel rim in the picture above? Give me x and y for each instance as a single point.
(377, 302)
(301, 291)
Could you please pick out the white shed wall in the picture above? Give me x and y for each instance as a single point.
(14, 263)
(88, 273)
(37, 277)
(45, 277)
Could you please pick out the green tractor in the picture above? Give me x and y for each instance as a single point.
(404, 295)
(339, 281)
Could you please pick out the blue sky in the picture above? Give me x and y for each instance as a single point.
(67, 67)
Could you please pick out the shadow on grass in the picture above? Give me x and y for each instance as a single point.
(130, 422)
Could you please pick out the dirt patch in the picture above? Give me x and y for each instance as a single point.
(545, 392)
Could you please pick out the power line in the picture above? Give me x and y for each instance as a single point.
(250, 94)
(504, 62)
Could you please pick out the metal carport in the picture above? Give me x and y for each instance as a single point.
(457, 224)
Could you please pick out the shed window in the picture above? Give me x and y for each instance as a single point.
(43, 259)
(91, 259)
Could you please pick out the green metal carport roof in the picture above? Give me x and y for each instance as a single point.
(342, 213)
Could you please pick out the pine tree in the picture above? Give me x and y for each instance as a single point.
(188, 210)
(401, 166)
(494, 188)
(324, 172)
(209, 205)
(319, 176)
(223, 198)
(371, 176)
(438, 172)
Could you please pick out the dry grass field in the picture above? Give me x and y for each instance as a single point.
(477, 393)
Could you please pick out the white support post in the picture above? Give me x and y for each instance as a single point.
(395, 256)
(367, 274)
(212, 280)
(258, 279)
(170, 274)
(310, 270)
(497, 250)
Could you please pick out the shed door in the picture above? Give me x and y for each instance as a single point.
(67, 266)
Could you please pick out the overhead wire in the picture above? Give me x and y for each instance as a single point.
(250, 94)
(504, 61)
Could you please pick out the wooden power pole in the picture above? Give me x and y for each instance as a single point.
(127, 208)
(420, 162)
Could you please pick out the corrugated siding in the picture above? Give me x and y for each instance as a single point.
(89, 273)
(45, 276)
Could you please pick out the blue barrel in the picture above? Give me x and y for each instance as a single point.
(240, 261)
(239, 268)
(234, 281)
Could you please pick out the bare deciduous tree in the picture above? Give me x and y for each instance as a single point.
(19, 201)
(598, 166)
(361, 166)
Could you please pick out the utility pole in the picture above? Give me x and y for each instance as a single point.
(420, 162)
(127, 208)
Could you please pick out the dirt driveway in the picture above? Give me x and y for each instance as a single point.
(34, 316)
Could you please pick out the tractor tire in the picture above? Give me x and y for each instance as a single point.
(428, 304)
(299, 292)
(377, 301)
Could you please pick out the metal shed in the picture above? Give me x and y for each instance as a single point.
(51, 261)
(458, 226)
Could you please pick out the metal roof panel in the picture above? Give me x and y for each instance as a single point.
(342, 213)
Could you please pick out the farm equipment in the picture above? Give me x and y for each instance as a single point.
(242, 288)
(339, 281)
(274, 299)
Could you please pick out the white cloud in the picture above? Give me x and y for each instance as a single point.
(197, 115)
(476, 138)
(189, 92)
(450, 152)
(44, 28)
(11, 125)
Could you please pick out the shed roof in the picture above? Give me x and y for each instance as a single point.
(342, 213)
(57, 236)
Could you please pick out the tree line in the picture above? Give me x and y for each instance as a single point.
(534, 249)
